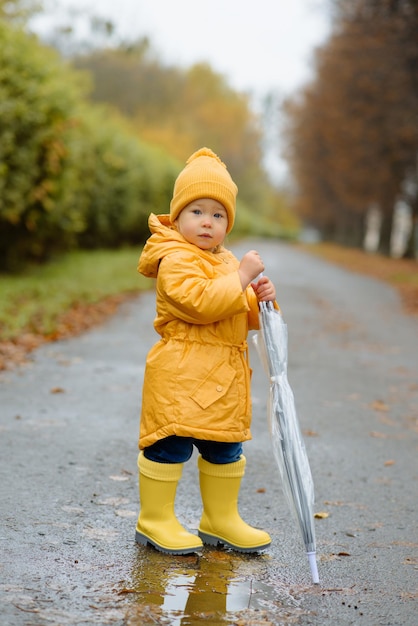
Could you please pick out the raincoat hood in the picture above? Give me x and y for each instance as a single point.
(164, 240)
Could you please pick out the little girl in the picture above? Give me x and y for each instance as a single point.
(196, 388)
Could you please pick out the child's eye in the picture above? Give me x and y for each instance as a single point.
(218, 215)
(197, 211)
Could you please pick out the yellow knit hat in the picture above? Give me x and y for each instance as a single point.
(205, 176)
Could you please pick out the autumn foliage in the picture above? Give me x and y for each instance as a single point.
(182, 109)
(352, 133)
(70, 175)
(88, 152)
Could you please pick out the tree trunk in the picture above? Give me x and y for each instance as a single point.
(411, 251)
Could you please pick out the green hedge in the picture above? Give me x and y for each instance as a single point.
(124, 181)
(71, 174)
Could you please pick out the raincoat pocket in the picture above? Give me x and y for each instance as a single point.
(214, 386)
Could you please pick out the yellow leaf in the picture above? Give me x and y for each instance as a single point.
(379, 405)
(57, 390)
(310, 433)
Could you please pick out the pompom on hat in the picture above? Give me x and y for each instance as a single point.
(205, 176)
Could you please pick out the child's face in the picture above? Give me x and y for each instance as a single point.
(203, 222)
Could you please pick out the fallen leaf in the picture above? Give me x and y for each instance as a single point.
(379, 405)
(57, 390)
(310, 433)
(261, 490)
(321, 515)
(344, 554)
(74, 321)
(390, 462)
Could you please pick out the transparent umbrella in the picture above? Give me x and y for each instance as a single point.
(288, 446)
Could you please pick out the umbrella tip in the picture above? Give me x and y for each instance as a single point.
(314, 567)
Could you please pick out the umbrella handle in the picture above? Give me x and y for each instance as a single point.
(265, 306)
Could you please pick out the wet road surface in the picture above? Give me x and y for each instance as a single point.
(68, 483)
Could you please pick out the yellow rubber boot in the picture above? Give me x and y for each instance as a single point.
(221, 522)
(157, 523)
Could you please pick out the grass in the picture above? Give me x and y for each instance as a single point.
(39, 301)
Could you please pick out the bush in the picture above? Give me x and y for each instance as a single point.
(123, 182)
(71, 174)
(38, 100)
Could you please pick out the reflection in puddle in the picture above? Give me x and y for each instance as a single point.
(177, 592)
(214, 588)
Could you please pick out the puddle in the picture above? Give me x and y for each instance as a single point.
(216, 588)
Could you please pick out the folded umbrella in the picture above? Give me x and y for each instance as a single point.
(288, 446)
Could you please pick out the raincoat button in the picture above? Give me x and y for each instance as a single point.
(219, 388)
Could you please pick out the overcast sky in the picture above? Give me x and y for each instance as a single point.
(258, 45)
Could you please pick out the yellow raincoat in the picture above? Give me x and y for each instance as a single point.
(197, 377)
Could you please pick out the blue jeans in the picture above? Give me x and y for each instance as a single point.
(179, 449)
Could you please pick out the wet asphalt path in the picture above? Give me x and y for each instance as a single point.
(68, 484)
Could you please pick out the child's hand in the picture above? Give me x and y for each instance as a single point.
(250, 267)
(264, 289)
